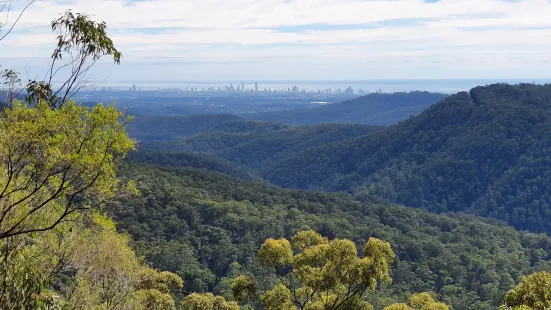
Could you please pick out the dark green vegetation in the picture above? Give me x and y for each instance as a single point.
(372, 109)
(257, 145)
(159, 127)
(484, 152)
(198, 224)
(203, 162)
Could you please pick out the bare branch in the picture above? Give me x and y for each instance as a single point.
(18, 18)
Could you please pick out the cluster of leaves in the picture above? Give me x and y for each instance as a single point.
(422, 301)
(315, 273)
(198, 224)
(56, 162)
(533, 293)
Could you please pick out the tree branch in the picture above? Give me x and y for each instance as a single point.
(18, 18)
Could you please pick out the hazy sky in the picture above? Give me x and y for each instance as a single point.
(300, 39)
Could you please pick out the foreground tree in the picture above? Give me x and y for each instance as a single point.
(315, 273)
(83, 265)
(81, 42)
(208, 301)
(57, 162)
(422, 301)
(532, 293)
(56, 166)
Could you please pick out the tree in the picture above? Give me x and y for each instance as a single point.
(106, 273)
(315, 273)
(57, 162)
(82, 264)
(11, 84)
(532, 293)
(208, 301)
(56, 165)
(422, 301)
(82, 42)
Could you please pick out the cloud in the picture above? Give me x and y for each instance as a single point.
(390, 38)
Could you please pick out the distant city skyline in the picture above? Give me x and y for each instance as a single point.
(289, 86)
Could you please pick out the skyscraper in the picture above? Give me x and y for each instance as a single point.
(256, 87)
(242, 86)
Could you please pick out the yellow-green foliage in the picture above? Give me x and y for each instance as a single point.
(243, 288)
(208, 301)
(422, 301)
(58, 167)
(108, 273)
(275, 252)
(323, 274)
(55, 161)
(279, 298)
(534, 292)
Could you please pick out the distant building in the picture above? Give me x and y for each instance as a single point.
(256, 87)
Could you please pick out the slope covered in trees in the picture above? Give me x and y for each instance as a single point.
(372, 109)
(484, 152)
(160, 127)
(207, 227)
(257, 144)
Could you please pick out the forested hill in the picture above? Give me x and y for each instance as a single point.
(261, 145)
(485, 152)
(198, 224)
(372, 109)
(160, 127)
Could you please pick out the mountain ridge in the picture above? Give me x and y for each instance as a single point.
(379, 109)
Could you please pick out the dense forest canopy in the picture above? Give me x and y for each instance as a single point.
(483, 152)
(256, 145)
(206, 227)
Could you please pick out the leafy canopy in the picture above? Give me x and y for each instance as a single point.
(422, 301)
(532, 293)
(315, 273)
(56, 162)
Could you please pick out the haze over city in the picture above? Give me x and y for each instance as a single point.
(235, 40)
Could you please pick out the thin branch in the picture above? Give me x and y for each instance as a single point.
(4, 6)
(17, 20)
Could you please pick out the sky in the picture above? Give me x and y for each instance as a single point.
(201, 40)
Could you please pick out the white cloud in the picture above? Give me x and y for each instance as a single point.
(255, 37)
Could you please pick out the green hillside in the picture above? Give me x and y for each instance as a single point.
(372, 109)
(158, 127)
(262, 144)
(198, 224)
(484, 152)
